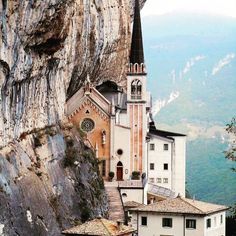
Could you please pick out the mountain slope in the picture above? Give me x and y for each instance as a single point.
(191, 62)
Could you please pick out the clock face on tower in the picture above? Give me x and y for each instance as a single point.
(87, 125)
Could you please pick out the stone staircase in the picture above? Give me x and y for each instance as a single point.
(116, 211)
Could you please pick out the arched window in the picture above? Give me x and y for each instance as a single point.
(142, 66)
(119, 164)
(136, 89)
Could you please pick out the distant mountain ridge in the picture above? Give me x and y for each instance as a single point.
(198, 61)
(191, 62)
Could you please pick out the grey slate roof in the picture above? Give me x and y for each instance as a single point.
(112, 92)
(166, 134)
(109, 86)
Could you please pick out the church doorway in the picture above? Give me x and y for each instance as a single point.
(119, 171)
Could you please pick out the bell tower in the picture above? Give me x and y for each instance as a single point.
(137, 96)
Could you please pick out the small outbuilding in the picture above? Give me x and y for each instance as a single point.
(179, 216)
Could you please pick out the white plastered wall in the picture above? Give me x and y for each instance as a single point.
(154, 225)
(121, 141)
(179, 166)
(159, 157)
(132, 194)
(217, 228)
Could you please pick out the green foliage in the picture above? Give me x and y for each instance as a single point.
(233, 210)
(80, 131)
(231, 152)
(187, 194)
(111, 175)
(50, 130)
(69, 142)
(208, 173)
(70, 154)
(85, 214)
(135, 175)
(89, 155)
(231, 226)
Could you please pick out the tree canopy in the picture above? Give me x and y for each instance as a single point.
(231, 152)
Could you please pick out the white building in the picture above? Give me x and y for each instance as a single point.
(179, 217)
(133, 191)
(166, 159)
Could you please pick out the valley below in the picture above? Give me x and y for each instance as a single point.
(191, 74)
(209, 175)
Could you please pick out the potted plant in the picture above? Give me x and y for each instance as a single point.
(135, 175)
(111, 175)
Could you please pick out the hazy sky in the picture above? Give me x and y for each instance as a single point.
(158, 7)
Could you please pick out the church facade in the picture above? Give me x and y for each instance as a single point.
(118, 126)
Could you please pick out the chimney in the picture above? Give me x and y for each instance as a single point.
(119, 224)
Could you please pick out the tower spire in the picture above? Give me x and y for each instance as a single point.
(136, 53)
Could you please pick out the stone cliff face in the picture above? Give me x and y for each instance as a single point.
(49, 181)
(47, 48)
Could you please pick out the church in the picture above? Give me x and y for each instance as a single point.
(117, 124)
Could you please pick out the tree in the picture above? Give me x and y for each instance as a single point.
(231, 152)
(231, 155)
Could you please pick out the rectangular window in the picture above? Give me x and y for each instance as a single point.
(151, 180)
(144, 220)
(165, 166)
(166, 147)
(151, 166)
(208, 223)
(158, 180)
(103, 168)
(190, 224)
(165, 180)
(221, 219)
(167, 222)
(152, 146)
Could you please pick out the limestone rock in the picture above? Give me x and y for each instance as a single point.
(47, 48)
(42, 190)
